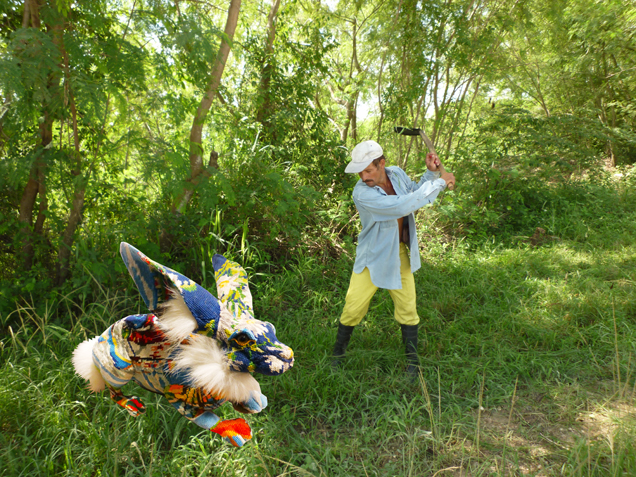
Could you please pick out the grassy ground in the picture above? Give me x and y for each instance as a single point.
(528, 368)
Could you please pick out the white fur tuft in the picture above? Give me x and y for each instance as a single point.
(205, 364)
(83, 364)
(176, 321)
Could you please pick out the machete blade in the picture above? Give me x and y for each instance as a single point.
(406, 131)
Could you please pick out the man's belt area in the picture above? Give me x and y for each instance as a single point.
(403, 225)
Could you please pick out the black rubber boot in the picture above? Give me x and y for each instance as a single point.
(409, 338)
(342, 340)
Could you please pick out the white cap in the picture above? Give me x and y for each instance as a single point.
(362, 155)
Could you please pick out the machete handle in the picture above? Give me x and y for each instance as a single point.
(431, 148)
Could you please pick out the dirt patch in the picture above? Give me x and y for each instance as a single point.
(544, 430)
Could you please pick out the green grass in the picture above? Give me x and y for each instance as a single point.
(528, 354)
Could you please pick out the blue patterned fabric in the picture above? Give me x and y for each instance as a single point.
(140, 348)
(152, 279)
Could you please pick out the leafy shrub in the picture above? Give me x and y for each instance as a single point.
(515, 166)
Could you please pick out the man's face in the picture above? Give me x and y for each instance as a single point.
(372, 175)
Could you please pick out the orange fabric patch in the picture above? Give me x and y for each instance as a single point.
(233, 427)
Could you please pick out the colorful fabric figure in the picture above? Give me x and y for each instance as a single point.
(199, 352)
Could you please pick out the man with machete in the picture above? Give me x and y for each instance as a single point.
(388, 252)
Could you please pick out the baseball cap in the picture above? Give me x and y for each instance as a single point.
(362, 155)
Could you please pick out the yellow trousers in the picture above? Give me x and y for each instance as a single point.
(361, 290)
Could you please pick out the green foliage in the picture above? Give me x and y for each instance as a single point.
(280, 121)
(271, 182)
(547, 148)
(568, 58)
(518, 170)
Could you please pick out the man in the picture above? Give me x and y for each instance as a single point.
(388, 253)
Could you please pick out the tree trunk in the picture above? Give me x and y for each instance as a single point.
(196, 147)
(352, 113)
(82, 178)
(74, 219)
(380, 96)
(79, 190)
(37, 176)
(30, 18)
(352, 105)
(264, 110)
(31, 15)
(44, 203)
(26, 215)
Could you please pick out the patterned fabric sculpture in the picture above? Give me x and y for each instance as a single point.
(197, 351)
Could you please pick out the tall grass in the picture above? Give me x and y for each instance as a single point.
(527, 357)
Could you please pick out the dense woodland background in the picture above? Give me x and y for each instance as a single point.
(189, 128)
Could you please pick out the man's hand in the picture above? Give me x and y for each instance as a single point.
(432, 162)
(450, 180)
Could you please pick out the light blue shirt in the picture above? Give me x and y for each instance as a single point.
(379, 242)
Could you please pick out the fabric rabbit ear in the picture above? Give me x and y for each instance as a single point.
(153, 281)
(232, 288)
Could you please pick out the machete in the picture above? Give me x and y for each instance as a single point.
(429, 144)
